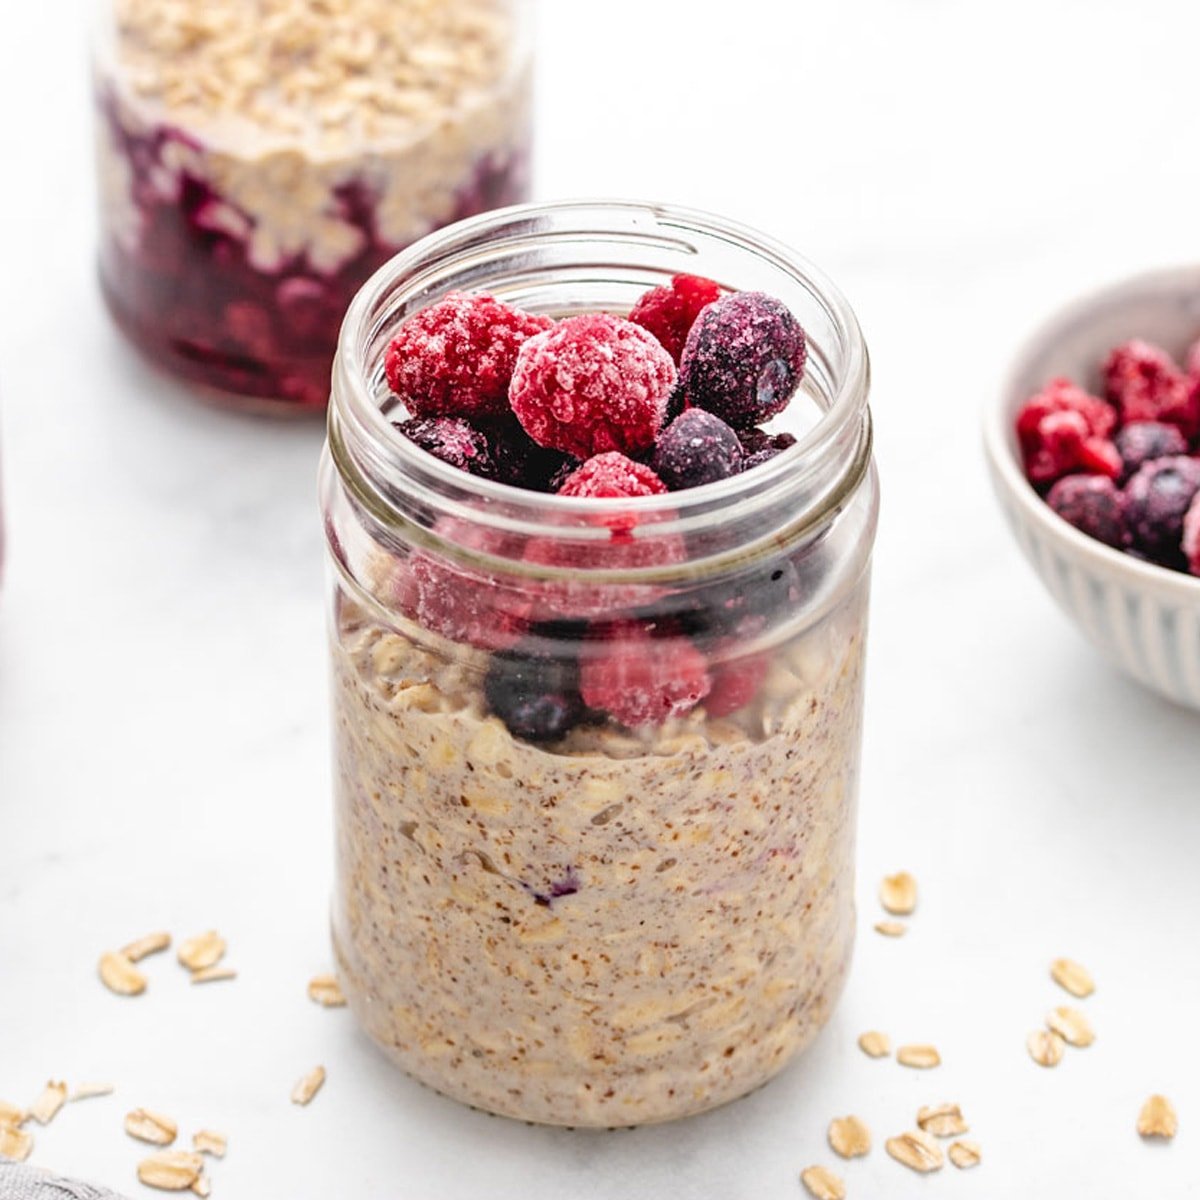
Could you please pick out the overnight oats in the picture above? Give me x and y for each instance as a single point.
(258, 161)
(599, 502)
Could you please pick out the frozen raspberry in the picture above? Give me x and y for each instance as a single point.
(534, 694)
(735, 684)
(462, 602)
(591, 384)
(612, 476)
(670, 312)
(1156, 499)
(454, 441)
(639, 679)
(1143, 441)
(455, 358)
(744, 358)
(1094, 505)
(696, 448)
(1063, 429)
(1144, 383)
(1191, 536)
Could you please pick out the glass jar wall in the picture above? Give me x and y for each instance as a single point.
(565, 913)
(258, 161)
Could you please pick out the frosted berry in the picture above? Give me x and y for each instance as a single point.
(1191, 536)
(454, 441)
(640, 679)
(669, 312)
(1156, 499)
(1144, 441)
(520, 461)
(455, 358)
(1144, 383)
(1094, 505)
(591, 384)
(1063, 429)
(744, 358)
(612, 476)
(696, 448)
(534, 694)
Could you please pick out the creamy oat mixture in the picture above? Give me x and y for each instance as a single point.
(626, 929)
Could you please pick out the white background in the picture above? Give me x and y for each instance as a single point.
(960, 168)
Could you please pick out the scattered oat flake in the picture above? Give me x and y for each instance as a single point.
(326, 991)
(213, 974)
(143, 947)
(822, 1183)
(849, 1137)
(921, 1057)
(916, 1149)
(46, 1107)
(1072, 1026)
(119, 975)
(942, 1120)
(1070, 975)
(202, 1187)
(207, 1141)
(1045, 1047)
(171, 1170)
(91, 1091)
(150, 1127)
(309, 1086)
(204, 950)
(965, 1155)
(893, 929)
(1158, 1119)
(10, 1114)
(875, 1044)
(899, 893)
(15, 1143)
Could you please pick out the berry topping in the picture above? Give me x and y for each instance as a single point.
(1094, 505)
(453, 441)
(759, 447)
(535, 695)
(1062, 429)
(735, 684)
(1144, 383)
(1156, 499)
(612, 476)
(591, 384)
(1144, 441)
(520, 461)
(744, 358)
(696, 448)
(670, 312)
(455, 358)
(639, 679)
(1191, 536)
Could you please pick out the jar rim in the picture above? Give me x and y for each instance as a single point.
(361, 429)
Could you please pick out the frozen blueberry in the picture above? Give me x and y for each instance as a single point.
(1094, 505)
(743, 359)
(520, 461)
(454, 441)
(696, 448)
(534, 694)
(759, 446)
(1143, 441)
(1156, 499)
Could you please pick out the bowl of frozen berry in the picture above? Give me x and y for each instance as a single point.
(1094, 449)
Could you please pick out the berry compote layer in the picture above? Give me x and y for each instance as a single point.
(595, 831)
(258, 162)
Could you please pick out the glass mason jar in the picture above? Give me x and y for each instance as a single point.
(619, 925)
(257, 162)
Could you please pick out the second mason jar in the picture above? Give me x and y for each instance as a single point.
(583, 922)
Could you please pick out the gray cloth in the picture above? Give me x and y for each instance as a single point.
(28, 1183)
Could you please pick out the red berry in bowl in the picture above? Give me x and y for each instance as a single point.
(670, 312)
(591, 384)
(1063, 429)
(1144, 383)
(1094, 505)
(1156, 500)
(612, 476)
(744, 358)
(456, 357)
(640, 679)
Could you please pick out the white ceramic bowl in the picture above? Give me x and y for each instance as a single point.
(1145, 618)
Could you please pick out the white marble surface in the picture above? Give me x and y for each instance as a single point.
(959, 168)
